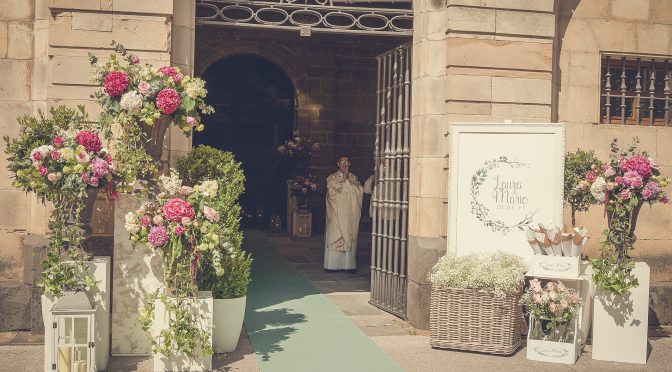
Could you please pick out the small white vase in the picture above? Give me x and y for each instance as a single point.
(227, 321)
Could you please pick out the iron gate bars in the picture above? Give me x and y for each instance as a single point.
(390, 196)
(392, 17)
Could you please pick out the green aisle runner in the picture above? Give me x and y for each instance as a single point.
(293, 327)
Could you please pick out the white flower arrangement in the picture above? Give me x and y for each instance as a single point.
(499, 273)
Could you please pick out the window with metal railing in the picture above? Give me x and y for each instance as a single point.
(635, 90)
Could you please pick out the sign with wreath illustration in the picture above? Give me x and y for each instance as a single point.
(502, 178)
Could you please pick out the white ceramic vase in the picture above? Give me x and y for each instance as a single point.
(228, 317)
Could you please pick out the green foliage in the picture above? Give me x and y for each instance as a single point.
(577, 165)
(233, 283)
(203, 163)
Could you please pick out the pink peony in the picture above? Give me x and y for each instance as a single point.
(115, 83)
(157, 236)
(144, 87)
(55, 155)
(590, 177)
(211, 214)
(175, 209)
(89, 140)
(157, 219)
(179, 230)
(93, 181)
(145, 221)
(639, 164)
(632, 179)
(625, 194)
(168, 100)
(43, 170)
(37, 156)
(647, 194)
(100, 167)
(57, 141)
(135, 59)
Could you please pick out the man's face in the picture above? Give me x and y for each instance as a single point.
(343, 164)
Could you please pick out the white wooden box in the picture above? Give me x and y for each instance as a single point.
(620, 323)
(180, 362)
(555, 267)
(553, 352)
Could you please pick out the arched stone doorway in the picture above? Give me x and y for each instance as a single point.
(254, 103)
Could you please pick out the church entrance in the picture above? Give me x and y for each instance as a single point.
(254, 104)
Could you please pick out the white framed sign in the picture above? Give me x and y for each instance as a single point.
(503, 176)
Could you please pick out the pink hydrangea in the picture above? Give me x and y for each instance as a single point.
(632, 179)
(175, 209)
(89, 140)
(43, 170)
(168, 100)
(57, 141)
(639, 164)
(169, 71)
(157, 236)
(116, 83)
(179, 230)
(100, 167)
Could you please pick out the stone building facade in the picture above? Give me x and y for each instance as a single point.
(473, 61)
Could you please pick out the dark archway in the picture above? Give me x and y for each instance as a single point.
(254, 103)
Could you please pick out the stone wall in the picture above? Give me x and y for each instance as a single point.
(586, 29)
(43, 57)
(334, 77)
(474, 61)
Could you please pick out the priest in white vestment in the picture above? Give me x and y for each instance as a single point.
(344, 208)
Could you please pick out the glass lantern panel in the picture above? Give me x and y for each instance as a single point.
(81, 331)
(65, 331)
(81, 359)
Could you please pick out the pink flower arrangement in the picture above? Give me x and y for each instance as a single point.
(116, 83)
(157, 236)
(175, 209)
(89, 140)
(168, 100)
(553, 301)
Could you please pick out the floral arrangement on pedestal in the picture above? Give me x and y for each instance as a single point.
(551, 308)
(182, 225)
(577, 193)
(143, 101)
(302, 188)
(62, 160)
(624, 184)
(300, 150)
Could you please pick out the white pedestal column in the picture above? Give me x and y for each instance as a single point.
(620, 323)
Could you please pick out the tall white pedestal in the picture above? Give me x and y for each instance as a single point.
(620, 323)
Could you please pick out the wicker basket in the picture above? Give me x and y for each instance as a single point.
(467, 319)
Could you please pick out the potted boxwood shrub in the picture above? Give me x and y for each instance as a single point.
(475, 302)
(229, 293)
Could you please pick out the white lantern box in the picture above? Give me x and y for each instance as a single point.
(554, 351)
(72, 329)
(559, 267)
(99, 297)
(302, 224)
(202, 304)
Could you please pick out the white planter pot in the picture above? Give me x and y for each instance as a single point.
(99, 295)
(228, 321)
(180, 362)
(620, 323)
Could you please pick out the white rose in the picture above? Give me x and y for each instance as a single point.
(597, 189)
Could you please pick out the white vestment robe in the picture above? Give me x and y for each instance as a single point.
(344, 208)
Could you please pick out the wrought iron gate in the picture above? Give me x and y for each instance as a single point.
(390, 196)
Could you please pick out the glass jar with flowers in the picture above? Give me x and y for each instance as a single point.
(181, 224)
(623, 185)
(303, 188)
(300, 150)
(552, 308)
(143, 101)
(62, 160)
